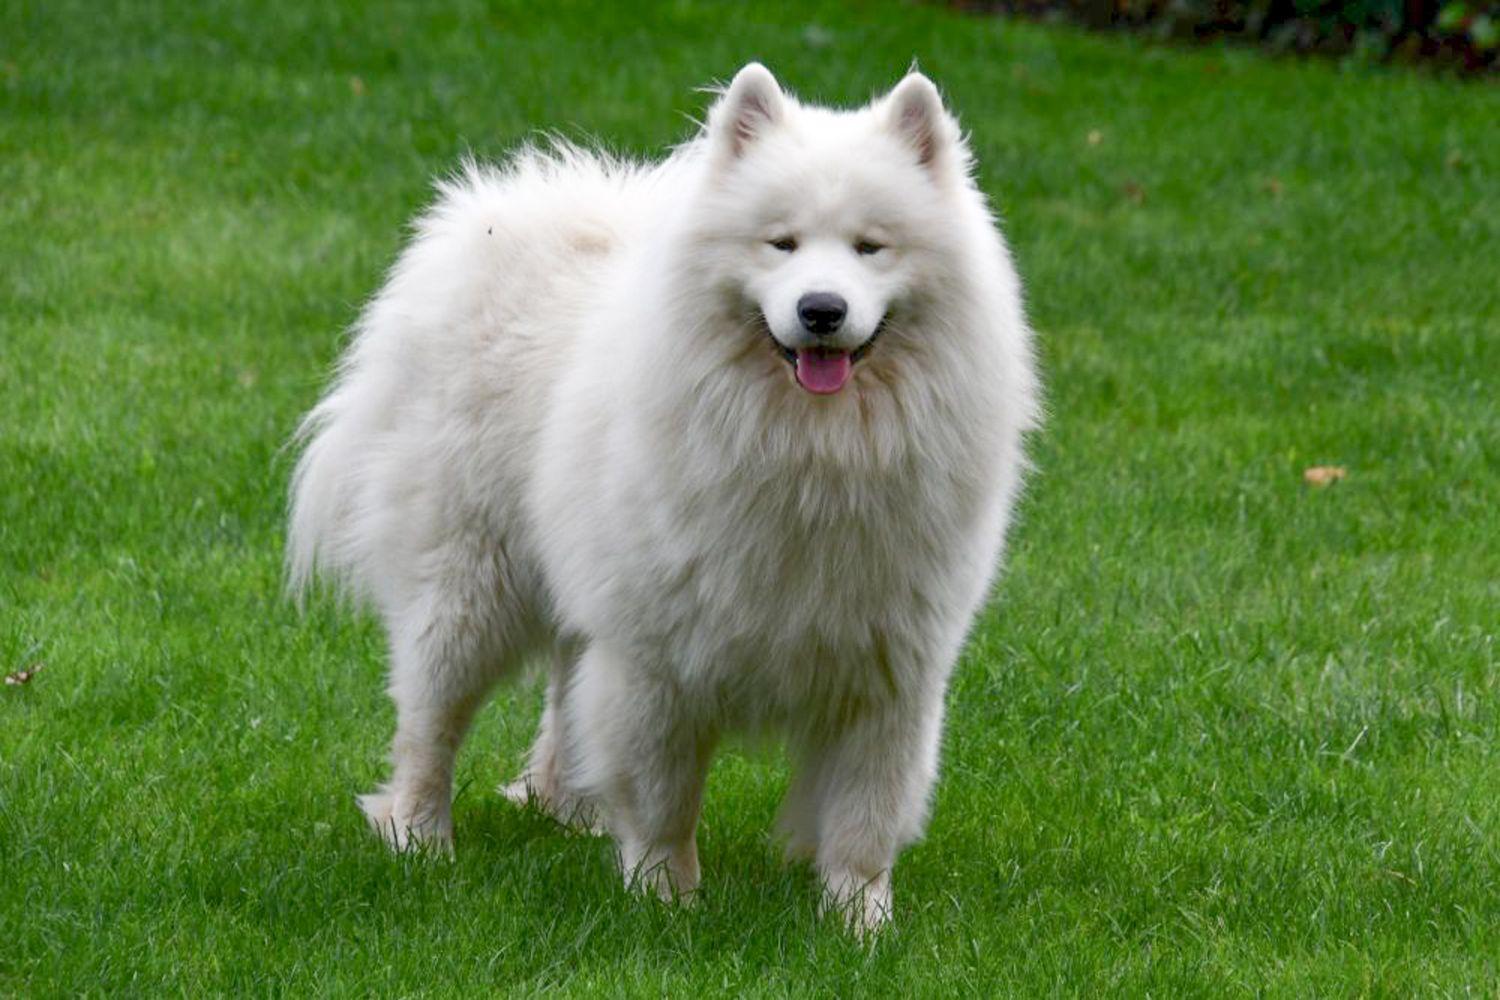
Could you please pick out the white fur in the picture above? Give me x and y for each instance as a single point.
(562, 429)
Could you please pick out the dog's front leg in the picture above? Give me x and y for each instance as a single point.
(643, 755)
(876, 776)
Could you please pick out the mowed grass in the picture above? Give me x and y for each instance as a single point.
(1221, 732)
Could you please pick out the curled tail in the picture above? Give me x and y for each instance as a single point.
(320, 528)
(331, 528)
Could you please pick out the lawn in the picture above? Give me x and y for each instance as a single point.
(1221, 731)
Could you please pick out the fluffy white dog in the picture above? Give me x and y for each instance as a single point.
(733, 438)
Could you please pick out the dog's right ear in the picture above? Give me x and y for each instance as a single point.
(753, 103)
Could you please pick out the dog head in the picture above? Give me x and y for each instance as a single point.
(827, 227)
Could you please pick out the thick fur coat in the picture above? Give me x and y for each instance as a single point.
(732, 439)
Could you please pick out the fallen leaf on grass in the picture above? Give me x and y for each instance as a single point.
(357, 86)
(23, 676)
(1134, 193)
(1323, 475)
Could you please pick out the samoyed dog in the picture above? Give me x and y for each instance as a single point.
(730, 440)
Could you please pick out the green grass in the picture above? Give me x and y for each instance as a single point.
(1221, 733)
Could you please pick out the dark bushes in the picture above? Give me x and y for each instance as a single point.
(1460, 33)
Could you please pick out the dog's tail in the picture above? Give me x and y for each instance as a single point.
(339, 441)
(321, 498)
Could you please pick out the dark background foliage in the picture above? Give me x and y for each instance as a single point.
(1462, 34)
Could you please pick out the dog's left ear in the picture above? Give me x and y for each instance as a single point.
(915, 112)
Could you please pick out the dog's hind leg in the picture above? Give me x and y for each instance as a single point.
(797, 819)
(543, 781)
(448, 647)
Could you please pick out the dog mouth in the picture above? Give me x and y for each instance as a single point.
(823, 371)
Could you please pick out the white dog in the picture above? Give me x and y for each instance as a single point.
(733, 438)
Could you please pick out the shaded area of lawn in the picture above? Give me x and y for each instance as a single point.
(1222, 732)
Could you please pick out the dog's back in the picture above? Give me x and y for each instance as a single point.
(435, 409)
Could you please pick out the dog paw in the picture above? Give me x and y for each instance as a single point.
(406, 829)
(578, 815)
(865, 916)
(671, 875)
(863, 906)
(518, 792)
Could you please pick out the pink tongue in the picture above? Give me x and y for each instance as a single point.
(821, 371)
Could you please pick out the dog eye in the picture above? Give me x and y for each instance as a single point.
(785, 244)
(866, 248)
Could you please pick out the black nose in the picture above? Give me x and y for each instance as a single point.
(822, 312)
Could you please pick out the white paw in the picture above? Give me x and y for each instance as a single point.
(576, 814)
(405, 828)
(519, 791)
(670, 875)
(863, 905)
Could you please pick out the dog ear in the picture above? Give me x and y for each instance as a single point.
(915, 112)
(753, 103)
